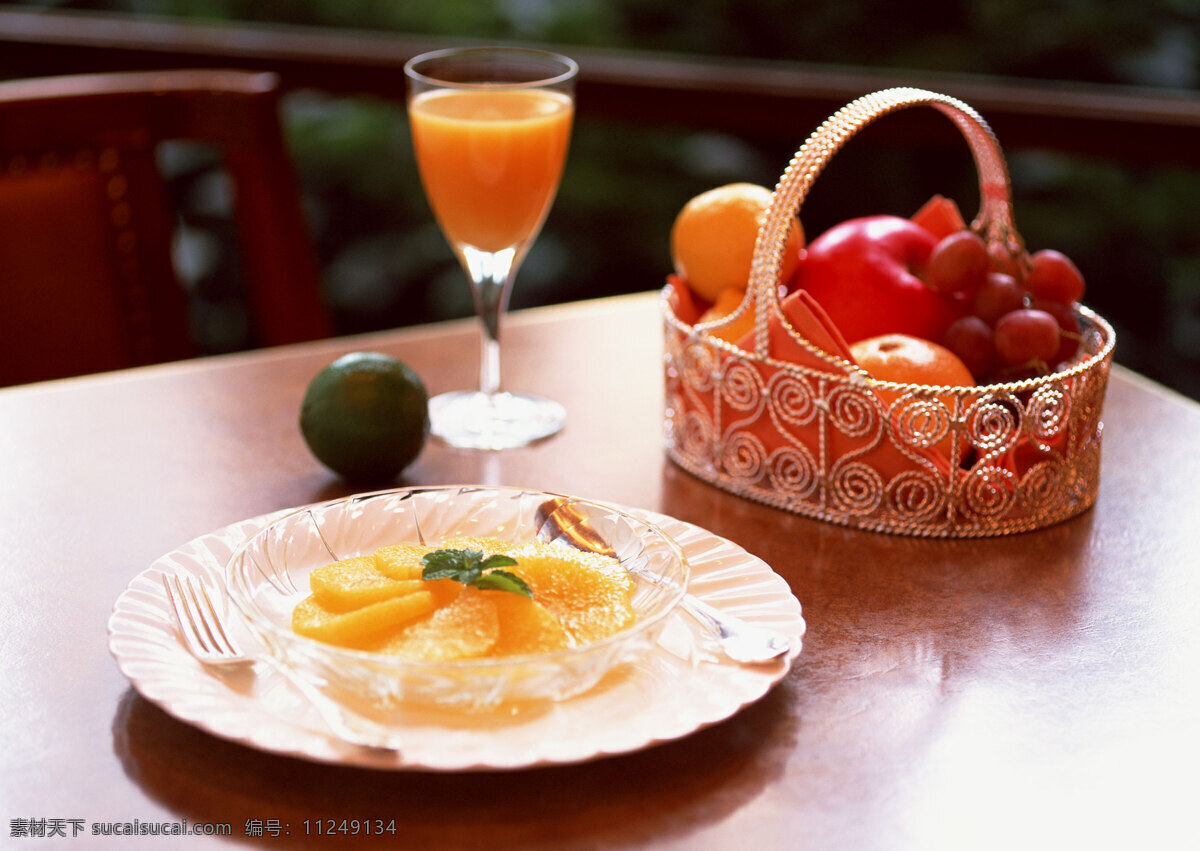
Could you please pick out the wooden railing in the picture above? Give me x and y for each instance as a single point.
(764, 100)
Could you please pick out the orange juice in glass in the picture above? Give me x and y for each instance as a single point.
(491, 161)
(490, 129)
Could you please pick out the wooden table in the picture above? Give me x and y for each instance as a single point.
(1041, 690)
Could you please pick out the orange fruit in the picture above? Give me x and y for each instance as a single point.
(712, 239)
(379, 603)
(727, 302)
(912, 360)
(400, 561)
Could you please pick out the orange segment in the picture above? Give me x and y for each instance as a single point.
(443, 590)
(467, 628)
(578, 598)
(403, 562)
(353, 583)
(487, 546)
(360, 627)
(400, 561)
(589, 593)
(526, 626)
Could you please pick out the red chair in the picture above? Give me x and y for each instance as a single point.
(86, 278)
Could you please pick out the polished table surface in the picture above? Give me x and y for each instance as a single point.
(1034, 691)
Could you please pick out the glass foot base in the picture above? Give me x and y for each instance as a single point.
(474, 420)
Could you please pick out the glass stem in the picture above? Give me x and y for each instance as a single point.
(491, 275)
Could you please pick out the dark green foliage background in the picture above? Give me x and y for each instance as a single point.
(1131, 228)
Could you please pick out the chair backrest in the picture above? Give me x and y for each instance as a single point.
(87, 281)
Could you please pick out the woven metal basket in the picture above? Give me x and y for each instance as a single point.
(823, 439)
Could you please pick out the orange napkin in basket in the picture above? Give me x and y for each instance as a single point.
(804, 316)
(682, 302)
(807, 318)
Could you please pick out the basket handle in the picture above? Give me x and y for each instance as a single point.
(994, 222)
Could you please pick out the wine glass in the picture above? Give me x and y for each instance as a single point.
(490, 128)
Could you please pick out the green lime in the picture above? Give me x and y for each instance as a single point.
(366, 417)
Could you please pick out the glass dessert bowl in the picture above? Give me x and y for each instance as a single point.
(268, 576)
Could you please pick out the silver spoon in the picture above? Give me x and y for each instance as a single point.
(557, 519)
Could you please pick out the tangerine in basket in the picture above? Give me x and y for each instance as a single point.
(910, 360)
(727, 302)
(712, 239)
(913, 360)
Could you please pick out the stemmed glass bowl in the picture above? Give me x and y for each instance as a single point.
(268, 575)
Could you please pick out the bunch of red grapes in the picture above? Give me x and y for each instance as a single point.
(1011, 324)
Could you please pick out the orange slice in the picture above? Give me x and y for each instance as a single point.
(589, 593)
(353, 583)
(526, 626)
(400, 561)
(360, 627)
(467, 628)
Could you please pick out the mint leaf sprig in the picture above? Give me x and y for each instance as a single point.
(470, 568)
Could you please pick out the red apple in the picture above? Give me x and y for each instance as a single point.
(865, 274)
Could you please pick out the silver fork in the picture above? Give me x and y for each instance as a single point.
(206, 638)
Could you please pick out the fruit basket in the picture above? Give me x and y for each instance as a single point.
(788, 422)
